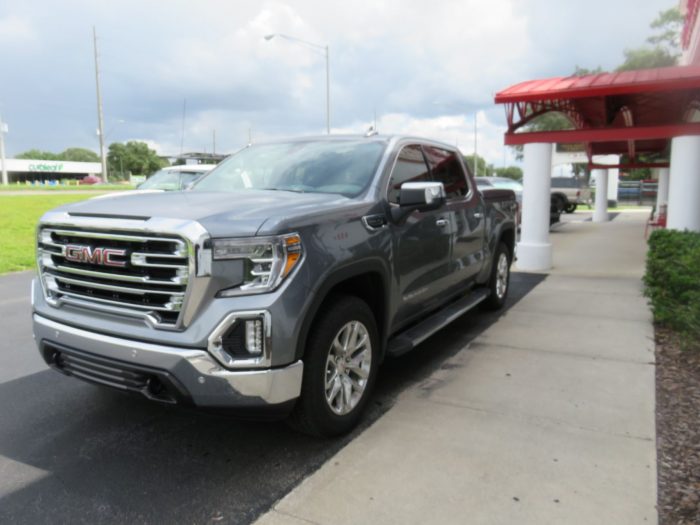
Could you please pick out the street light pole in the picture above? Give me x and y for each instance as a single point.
(326, 51)
(100, 123)
(3, 164)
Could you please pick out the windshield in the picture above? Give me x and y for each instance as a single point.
(342, 167)
(169, 180)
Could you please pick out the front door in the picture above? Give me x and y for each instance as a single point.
(465, 209)
(422, 243)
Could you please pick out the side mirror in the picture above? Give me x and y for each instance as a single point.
(421, 196)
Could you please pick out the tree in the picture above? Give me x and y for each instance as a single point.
(70, 154)
(646, 58)
(36, 154)
(665, 42)
(670, 23)
(133, 157)
(79, 155)
(483, 169)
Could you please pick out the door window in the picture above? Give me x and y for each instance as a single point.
(447, 169)
(410, 167)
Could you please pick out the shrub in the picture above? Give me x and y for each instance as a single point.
(672, 282)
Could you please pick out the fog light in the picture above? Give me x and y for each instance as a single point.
(241, 339)
(253, 336)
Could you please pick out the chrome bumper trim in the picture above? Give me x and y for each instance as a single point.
(206, 381)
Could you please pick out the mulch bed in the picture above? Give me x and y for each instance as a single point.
(677, 431)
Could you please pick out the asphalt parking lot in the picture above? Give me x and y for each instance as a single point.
(71, 452)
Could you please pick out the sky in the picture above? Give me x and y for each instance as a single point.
(425, 68)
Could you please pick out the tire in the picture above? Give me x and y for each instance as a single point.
(571, 208)
(499, 282)
(325, 408)
(558, 204)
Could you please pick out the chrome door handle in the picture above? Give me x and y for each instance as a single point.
(478, 215)
(441, 223)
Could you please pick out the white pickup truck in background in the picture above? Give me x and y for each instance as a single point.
(569, 192)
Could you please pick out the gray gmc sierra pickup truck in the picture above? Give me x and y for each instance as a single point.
(279, 282)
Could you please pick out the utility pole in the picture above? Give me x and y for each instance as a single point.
(184, 115)
(476, 166)
(328, 92)
(100, 122)
(3, 164)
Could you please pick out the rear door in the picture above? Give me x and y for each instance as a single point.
(422, 242)
(466, 213)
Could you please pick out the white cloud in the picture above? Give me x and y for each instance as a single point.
(15, 31)
(457, 130)
(395, 57)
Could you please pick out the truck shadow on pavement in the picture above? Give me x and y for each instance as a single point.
(74, 453)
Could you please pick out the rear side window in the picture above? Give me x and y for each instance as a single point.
(410, 167)
(447, 169)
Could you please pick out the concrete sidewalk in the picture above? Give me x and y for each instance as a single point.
(547, 417)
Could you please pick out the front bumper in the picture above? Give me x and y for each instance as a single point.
(164, 373)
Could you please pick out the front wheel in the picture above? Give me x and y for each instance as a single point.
(340, 367)
(500, 279)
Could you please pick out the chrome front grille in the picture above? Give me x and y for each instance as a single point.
(133, 274)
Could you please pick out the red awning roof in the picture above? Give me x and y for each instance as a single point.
(627, 112)
(604, 84)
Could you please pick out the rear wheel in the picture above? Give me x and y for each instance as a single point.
(571, 208)
(556, 208)
(500, 279)
(340, 367)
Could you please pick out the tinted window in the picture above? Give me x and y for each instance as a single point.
(410, 167)
(447, 169)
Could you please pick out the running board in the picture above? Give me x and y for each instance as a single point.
(408, 340)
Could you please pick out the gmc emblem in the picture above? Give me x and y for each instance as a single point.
(86, 254)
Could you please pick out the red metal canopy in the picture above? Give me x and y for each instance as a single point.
(629, 112)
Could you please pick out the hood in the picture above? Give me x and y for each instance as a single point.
(230, 214)
(124, 193)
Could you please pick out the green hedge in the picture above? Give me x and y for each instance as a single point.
(672, 282)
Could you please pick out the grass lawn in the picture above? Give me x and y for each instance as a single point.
(71, 187)
(18, 217)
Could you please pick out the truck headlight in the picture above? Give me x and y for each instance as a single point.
(267, 261)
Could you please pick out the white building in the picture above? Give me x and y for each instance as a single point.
(22, 170)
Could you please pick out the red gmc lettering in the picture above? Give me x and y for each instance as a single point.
(101, 256)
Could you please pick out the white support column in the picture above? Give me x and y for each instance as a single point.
(662, 190)
(534, 248)
(684, 184)
(600, 213)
